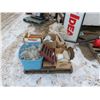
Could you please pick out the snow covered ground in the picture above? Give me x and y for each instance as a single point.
(0, 53)
(85, 72)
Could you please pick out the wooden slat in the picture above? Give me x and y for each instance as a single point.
(46, 71)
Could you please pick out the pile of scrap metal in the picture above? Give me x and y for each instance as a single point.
(40, 18)
(92, 39)
(55, 52)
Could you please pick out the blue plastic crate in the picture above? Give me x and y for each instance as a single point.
(30, 64)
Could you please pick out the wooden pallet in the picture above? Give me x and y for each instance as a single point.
(49, 71)
(46, 71)
(95, 51)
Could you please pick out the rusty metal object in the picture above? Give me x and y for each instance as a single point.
(71, 53)
(48, 53)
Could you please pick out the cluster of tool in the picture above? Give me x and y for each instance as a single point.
(53, 50)
(48, 53)
(93, 41)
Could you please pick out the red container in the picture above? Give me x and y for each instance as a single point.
(96, 43)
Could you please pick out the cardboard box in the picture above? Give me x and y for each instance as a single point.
(58, 65)
(59, 50)
(63, 65)
(47, 64)
(52, 35)
(50, 44)
(53, 43)
(32, 37)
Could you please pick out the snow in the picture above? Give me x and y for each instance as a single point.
(9, 35)
(0, 54)
(85, 72)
